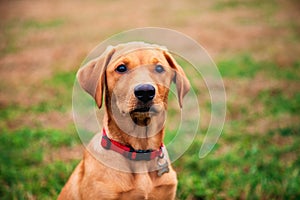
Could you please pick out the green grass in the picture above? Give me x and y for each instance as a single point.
(245, 66)
(243, 165)
(249, 165)
(60, 86)
(24, 173)
(276, 102)
(253, 168)
(59, 90)
(36, 24)
(240, 66)
(267, 6)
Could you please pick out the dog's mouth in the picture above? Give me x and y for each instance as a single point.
(142, 110)
(152, 109)
(142, 115)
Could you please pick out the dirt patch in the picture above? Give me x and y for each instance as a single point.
(65, 154)
(51, 120)
(87, 23)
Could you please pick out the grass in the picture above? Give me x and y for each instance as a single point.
(277, 102)
(249, 165)
(269, 5)
(35, 24)
(22, 160)
(257, 155)
(246, 66)
(24, 149)
(253, 168)
(259, 165)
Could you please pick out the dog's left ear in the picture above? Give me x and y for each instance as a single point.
(92, 75)
(180, 79)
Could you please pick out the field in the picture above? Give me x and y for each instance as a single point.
(255, 44)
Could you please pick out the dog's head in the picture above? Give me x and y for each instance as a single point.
(136, 78)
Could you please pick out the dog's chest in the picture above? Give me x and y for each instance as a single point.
(139, 187)
(142, 186)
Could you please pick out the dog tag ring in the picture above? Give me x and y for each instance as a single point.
(162, 167)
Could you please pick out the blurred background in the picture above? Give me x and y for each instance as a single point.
(255, 44)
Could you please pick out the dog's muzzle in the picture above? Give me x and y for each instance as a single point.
(144, 94)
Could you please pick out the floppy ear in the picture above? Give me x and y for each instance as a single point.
(180, 79)
(91, 76)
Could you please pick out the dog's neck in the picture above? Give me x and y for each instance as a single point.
(144, 143)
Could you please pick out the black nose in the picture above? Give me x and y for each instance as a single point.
(144, 92)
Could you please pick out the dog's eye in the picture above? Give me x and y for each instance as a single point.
(159, 69)
(121, 68)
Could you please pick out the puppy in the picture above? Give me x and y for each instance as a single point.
(128, 159)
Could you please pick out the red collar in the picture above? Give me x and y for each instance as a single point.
(127, 151)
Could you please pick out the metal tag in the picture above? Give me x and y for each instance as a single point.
(162, 167)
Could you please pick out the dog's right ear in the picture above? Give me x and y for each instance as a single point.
(92, 75)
